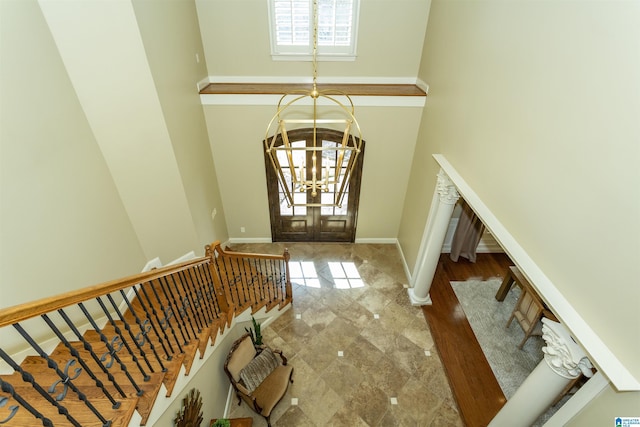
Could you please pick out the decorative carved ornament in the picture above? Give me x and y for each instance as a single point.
(446, 190)
(563, 355)
(190, 415)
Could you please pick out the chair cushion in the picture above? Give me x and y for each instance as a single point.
(258, 369)
(273, 388)
(242, 355)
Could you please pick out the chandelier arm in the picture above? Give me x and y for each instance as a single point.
(280, 176)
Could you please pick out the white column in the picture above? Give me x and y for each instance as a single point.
(436, 231)
(563, 361)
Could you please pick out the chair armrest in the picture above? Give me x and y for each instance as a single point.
(242, 389)
(284, 359)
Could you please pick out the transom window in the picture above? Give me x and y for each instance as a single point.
(291, 23)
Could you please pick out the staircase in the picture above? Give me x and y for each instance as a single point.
(120, 345)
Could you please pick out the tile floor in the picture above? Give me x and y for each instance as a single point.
(363, 356)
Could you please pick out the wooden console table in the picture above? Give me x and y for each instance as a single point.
(237, 422)
(515, 276)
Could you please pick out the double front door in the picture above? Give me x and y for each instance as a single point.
(313, 223)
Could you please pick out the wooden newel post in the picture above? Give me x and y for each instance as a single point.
(289, 291)
(220, 294)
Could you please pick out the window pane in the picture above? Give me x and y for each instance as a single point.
(293, 26)
(292, 22)
(301, 198)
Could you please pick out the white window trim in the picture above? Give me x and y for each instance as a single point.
(304, 53)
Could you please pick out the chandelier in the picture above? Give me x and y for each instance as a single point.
(324, 167)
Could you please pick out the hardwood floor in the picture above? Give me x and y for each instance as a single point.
(474, 386)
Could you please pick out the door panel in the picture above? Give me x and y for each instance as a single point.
(313, 223)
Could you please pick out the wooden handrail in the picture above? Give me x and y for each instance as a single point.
(232, 254)
(21, 312)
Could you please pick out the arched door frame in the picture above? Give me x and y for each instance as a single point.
(315, 223)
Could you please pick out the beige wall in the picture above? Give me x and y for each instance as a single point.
(171, 37)
(210, 381)
(608, 405)
(236, 134)
(536, 105)
(389, 46)
(145, 114)
(62, 223)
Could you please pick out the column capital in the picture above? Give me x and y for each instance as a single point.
(562, 354)
(446, 190)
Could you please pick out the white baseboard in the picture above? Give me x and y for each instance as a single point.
(233, 240)
(378, 240)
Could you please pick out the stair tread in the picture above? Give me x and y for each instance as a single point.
(120, 417)
(45, 376)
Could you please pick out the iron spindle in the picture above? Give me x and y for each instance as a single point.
(75, 353)
(144, 331)
(63, 375)
(112, 351)
(125, 343)
(8, 388)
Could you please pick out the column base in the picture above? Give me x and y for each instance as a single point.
(417, 301)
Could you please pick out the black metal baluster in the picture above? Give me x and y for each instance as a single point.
(75, 353)
(268, 284)
(204, 293)
(246, 278)
(233, 289)
(182, 290)
(263, 278)
(168, 314)
(238, 280)
(235, 299)
(211, 289)
(87, 346)
(199, 295)
(252, 274)
(183, 307)
(118, 331)
(8, 388)
(280, 278)
(144, 330)
(164, 339)
(66, 380)
(187, 286)
(127, 327)
(112, 351)
(276, 279)
(164, 285)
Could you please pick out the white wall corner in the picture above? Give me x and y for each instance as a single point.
(154, 263)
(203, 83)
(422, 85)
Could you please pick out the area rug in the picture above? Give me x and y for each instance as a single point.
(488, 318)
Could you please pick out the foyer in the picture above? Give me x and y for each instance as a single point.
(363, 355)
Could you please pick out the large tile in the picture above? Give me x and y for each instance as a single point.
(343, 376)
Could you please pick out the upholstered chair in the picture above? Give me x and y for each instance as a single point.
(260, 376)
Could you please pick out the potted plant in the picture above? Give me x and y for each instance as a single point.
(255, 333)
(221, 422)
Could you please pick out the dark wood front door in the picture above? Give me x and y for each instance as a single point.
(313, 223)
